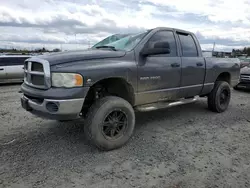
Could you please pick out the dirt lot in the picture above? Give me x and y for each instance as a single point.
(185, 146)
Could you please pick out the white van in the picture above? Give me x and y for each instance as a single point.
(11, 68)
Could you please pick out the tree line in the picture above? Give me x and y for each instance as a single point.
(25, 51)
(245, 50)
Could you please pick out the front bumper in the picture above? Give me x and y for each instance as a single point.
(54, 103)
(68, 109)
(234, 82)
(243, 85)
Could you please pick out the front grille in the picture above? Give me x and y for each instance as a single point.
(37, 67)
(37, 73)
(37, 80)
(245, 77)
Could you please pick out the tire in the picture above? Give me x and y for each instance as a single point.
(102, 110)
(216, 101)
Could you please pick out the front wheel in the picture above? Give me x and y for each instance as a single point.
(110, 123)
(219, 98)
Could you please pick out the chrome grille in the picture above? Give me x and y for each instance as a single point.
(37, 73)
(245, 77)
(37, 67)
(37, 80)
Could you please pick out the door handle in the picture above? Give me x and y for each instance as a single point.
(199, 64)
(1, 69)
(175, 65)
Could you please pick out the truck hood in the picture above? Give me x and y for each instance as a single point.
(245, 70)
(79, 55)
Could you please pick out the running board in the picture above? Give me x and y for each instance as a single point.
(161, 105)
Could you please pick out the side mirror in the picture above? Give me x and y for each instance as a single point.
(158, 48)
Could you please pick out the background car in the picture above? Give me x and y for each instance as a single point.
(244, 82)
(244, 62)
(11, 68)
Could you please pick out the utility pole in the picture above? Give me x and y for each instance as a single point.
(213, 46)
(213, 49)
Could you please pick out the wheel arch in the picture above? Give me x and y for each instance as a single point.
(224, 76)
(114, 86)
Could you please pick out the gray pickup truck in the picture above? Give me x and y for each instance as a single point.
(158, 68)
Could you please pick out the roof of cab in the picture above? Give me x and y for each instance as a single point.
(173, 29)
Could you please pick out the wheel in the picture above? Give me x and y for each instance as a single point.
(110, 123)
(219, 98)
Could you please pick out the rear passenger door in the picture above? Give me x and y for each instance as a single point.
(14, 67)
(193, 66)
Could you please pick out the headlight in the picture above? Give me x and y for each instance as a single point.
(67, 80)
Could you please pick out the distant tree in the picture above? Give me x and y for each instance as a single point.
(41, 50)
(248, 51)
(245, 50)
(56, 50)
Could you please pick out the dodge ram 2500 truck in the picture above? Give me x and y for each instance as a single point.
(158, 68)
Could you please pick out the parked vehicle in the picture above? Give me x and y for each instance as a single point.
(244, 82)
(155, 69)
(244, 62)
(11, 68)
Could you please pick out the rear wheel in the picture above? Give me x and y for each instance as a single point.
(219, 98)
(110, 123)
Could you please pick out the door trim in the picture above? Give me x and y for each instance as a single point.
(176, 88)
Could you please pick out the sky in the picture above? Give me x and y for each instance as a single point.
(78, 24)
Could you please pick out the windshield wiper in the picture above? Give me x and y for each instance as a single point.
(111, 47)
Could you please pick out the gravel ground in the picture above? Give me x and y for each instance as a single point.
(185, 146)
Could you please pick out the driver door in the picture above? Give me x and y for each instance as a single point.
(159, 76)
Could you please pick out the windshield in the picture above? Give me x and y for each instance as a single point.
(126, 42)
(110, 39)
